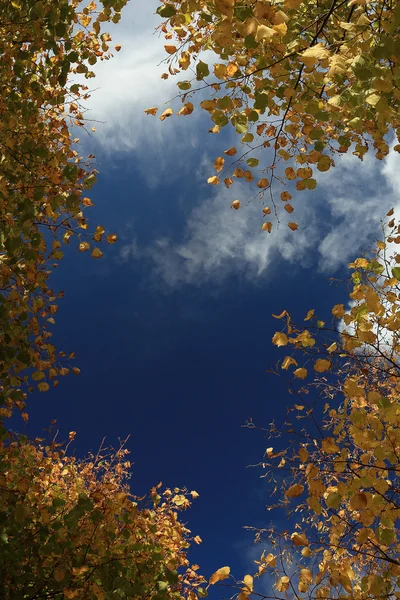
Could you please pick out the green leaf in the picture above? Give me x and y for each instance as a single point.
(184, 85)
(396, 272)
(252, 162)
(166, 11)
(202, 70)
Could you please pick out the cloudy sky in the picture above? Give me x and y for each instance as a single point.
(172, 328)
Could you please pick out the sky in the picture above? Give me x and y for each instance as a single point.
(172, 328)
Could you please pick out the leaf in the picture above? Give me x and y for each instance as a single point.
(299, 539)
(294, 491)
(219, 575)
(267, 226)
(186, 109)
(84, 246)
(263, 183)
(314, 54)
(338, 311)
(287, 362)
(283, 584)
(235, 204)
(97, 253)
(303, 454)
(248, 582)
(167, 113)
(270, 559)
(231, 151)
(329, 446)
(151, 111)
(301, 373)
(170, 49)
(111, 238)
(219, 163)
(213, 180)
(43, 386)
(280, 339)
(265, 33)
(59, 574)
(396, 272)
(293, 226)
(321, 365)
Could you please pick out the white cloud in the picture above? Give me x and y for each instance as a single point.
(129, 83)
(335, 224)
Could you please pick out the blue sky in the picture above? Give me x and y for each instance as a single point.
(172, 328)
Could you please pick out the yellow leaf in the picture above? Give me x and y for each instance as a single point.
(248, 582)
(294, 491)
(186, 109)
(111, 238)
(299, 539)
(267, 226)
(283, 584)
(213, 180)
(338, 311)
(194, 494)
(98, 234)
(373, 99)
(329, 447)
(288, 360)
(43, 386)
(263, 183)
(266, 210)
(293, 226)
(219, 163)
(83, 246)
(332, 347)
(167, 113)
(118, 47)
(289, 208)
(151, 111)
(220, 71)
(197, 539)
(231, 69)
(291, 4)
(270, 559)
(285, 196)
(219, 575)
(231, 151)
(265, 33)
(310, 314)
(303, 454)
(301, 373)
(97, 253)
(281, 29)
(280, 339)
(315, 53)
(321, 365)
(235, 204)
(170, 49)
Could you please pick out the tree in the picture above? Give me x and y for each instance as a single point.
(45, 45)
(300, 81)
(71, 528)
(337, 465)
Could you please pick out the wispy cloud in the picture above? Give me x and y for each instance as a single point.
(335, 223)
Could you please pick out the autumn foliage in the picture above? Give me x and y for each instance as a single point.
(333, 467)
(48, 51)
(71, 528)
(299, 81)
